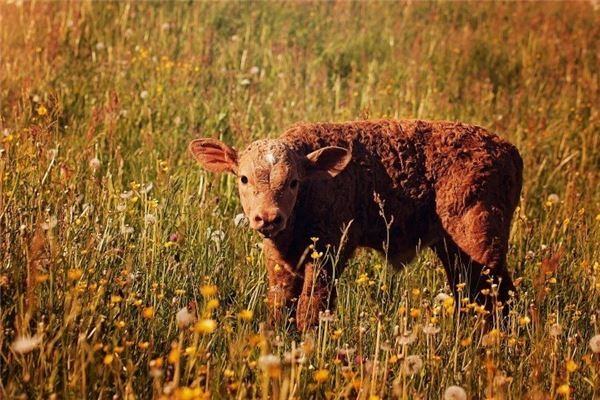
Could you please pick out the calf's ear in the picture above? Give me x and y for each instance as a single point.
(214, 155)
(326, 162)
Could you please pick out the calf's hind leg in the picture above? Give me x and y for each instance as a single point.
(473, 251)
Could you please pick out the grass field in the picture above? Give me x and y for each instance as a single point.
(109, 229)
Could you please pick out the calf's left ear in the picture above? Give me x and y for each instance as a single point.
(326, 162)
(214, 155)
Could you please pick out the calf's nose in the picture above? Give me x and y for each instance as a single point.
(266, 221)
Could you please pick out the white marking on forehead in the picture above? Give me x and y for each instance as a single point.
(270, 158)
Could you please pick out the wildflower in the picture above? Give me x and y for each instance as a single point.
(149, 219)
(208, 290)
(555, 330)
(455, 393)
(552, 199)
(205, 326)
(212, 304)
(184, 318)
(144, 345)
(144, 94)
(407, 338)
(363, 278)
(246, 315)
(563, 389)
(174, 355)
(524, 320)
(595, 344)
(412, 365)
(94, 164)
(271, 364)
(431, 329)
(245, 82)
(41, 110)
(74, 274)
(148, 313)
(114, 299)
(240, 220)
(108, 359)
(50, 223)
(415, 312)
(466, 341)
(254, 70)
(321, 375)
(571, 366)
(26, 344)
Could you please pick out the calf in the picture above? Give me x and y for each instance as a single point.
(448, 186)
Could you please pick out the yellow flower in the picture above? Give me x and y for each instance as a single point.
(205, 326)
(174, 355)
(415, 312)
(108, 359)
(41, 110)
(115, 299)
(563, 389)
(74, 274)
(363, 278)
(524, 320)
(120, 324)
(321, 375)
(148, 313)
(571, 366)
(212, 304)
(208, 290)
(144, 345)
(246, 315)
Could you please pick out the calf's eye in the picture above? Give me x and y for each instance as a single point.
(294, 183)
(244, 179)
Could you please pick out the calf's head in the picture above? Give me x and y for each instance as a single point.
(269, 174)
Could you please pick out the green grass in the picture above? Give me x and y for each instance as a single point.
(99, 100)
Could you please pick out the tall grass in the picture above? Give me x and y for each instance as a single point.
(108, 229)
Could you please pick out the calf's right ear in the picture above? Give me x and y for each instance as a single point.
(214, 155)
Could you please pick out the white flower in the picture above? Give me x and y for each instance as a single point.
(245, 82)
(431, 329)
(26, 344)
(268, 362)
(407, 337)
(147, 188)
(254, 70)
(49, 223)
(184, 318)
(126, 229)
(412, 365)
(555, 330)
(553, 198)
(144, 94)
(36, 98)
(217, 236)
(440, 298)
(240, 220)
(455, 393)
(595, 343)
(150, 219)
(94, 163)
(99, 46)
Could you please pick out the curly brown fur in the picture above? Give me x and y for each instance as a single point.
(449, 186)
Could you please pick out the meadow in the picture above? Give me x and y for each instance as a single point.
(125, 273)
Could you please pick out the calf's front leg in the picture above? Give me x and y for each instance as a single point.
(284, 289)
(318, 293)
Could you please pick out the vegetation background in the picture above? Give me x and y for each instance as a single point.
(109, 230)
